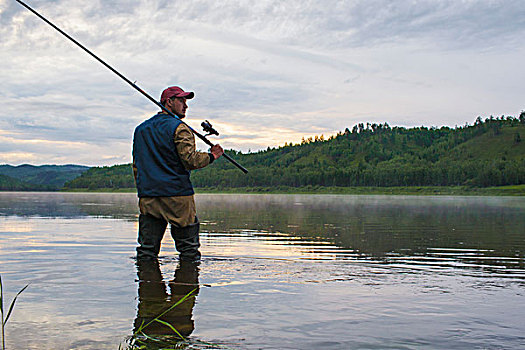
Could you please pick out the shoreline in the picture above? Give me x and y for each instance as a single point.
(513, 190)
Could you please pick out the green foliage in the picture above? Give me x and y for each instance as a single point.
(140, 332)
(142, 340)
(44, 177)
(113, 177)
(6, 318)
(484, 154)
(8, 183)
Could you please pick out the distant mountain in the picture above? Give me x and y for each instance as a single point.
(9, 184)
(489, 153)
(43, 177)
(107, 177)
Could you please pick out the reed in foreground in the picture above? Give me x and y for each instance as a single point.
(4, 320)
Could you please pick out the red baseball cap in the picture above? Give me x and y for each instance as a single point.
(175, 91)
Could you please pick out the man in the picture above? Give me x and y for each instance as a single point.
(163, 155)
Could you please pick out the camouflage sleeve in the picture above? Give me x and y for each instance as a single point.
(185, 143)
(135, 170)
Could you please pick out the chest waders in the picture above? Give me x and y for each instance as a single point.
(151, 232)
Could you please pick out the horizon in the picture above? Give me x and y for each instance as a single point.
(263, 74)
(326, 137)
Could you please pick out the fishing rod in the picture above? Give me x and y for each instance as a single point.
(202, 137)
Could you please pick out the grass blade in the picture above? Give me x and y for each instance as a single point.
(174, 305)
(2, 311)
(2, 299)
(140, 328)
(150, 337)
(13, 303)
(171, 327)
(168, 310)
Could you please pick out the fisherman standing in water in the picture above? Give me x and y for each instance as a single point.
(163, 155)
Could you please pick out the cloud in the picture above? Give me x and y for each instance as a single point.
(264, 72)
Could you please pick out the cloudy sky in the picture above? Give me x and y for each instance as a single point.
(264, 72)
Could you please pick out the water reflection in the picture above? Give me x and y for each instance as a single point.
(155, 298)
(436, 233)
(440, 234)
(68, 205)
(286, 272)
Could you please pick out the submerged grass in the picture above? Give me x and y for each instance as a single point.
(140, 330)
(140, 340)
(4, 320)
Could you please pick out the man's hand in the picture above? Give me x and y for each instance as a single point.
(217, 151)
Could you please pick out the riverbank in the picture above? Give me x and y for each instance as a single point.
(515, 190)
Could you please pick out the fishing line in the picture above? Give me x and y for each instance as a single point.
(202, 137)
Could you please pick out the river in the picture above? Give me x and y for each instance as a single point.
(278, 272)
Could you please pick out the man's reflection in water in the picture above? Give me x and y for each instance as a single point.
(154, 298)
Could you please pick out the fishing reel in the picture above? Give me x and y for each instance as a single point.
(206, 126)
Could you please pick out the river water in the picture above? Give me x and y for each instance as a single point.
(278, 272)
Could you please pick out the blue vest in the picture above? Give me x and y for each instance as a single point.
(160, 170)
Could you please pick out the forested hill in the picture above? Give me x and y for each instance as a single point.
(489, 153)
(37, 178)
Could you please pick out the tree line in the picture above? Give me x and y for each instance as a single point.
(489, 152)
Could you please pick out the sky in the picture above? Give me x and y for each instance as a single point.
(264, 72)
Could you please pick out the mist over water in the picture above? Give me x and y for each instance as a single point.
(279, 272)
